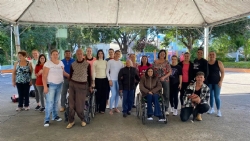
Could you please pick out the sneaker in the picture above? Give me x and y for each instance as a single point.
(162, 119)
(18, 109)
(128, 113)
(199, 117)
(124, 115)
(133, 106)
(219, 113)
(42, 109)
(175, 113)
(62, 109)
(83, 123)
(37, 108)
(107, 107)
(172, 109)
(26, 108)
(150, 118)
(46, 124)
(58, 118)
(166, 113)
(70, 125)
(211, 111)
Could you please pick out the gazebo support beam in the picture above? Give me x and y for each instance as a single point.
(206, 40)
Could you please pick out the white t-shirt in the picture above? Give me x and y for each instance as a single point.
(113, 68)
(55, 74)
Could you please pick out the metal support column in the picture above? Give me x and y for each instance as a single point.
(11, 45)
(17, 39)
(206, 40)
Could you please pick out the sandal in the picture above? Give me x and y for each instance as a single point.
(111, 112)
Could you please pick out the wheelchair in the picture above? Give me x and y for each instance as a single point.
(89, 107)
(141, 107)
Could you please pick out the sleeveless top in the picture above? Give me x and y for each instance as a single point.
(161, 69)
(214, 73)
(23, 73)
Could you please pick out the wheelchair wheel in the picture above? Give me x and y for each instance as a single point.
(143, 115)
(138, 106)
(143, 118)
(93, 105)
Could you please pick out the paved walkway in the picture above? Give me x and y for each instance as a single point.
(233, 125)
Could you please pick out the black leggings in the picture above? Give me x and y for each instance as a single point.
(174, 90)
(182, 92)
(23, 93)
(101, 93)
(187, 111)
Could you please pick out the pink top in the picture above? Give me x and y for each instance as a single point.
(142, 69)
(185, 72)
(182, 58)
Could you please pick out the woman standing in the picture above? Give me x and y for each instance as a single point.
(144, 66)
(53, 71)
(39, 81)
(163, 70)
(175, 84)
(215, 78)
(21, 78)
(187, 74)
(100, 81)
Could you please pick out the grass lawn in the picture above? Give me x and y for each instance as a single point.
(241, 64)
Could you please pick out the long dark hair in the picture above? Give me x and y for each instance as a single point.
(146, 73)
(97, 57)
(39, 62)
(163, 50)
(148, 64)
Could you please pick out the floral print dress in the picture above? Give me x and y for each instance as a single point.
(161, 69)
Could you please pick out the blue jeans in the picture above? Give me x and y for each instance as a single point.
(153, 99)
(52, 98)
(115, 94)
(127, 101)
(214, 94)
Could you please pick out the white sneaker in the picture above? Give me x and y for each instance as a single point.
(150, 118)
(219, 113)
(107, 107)
(162, 119)
(211, 111)
(172, 109)
(175, 112)
(166, 113)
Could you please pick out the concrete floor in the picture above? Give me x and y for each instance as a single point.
(233, 125)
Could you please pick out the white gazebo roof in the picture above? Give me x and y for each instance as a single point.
(184, 13)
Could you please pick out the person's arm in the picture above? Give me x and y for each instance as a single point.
(222, 72)
(31, 71)
(206, 72)
(158, 87)
(108, 70)
(14, 75)
(168, 67)
(71, 72)
(120, 76)
(36, 70)
(137, 77)
(142, 87)
(180, 77)
(93, 73)
(44, 79)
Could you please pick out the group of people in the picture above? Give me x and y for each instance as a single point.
(197, 82)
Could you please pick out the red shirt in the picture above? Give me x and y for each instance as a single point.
(142, 69)
(185, 69)
(39, 79)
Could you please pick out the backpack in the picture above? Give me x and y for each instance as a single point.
(32, 93)
(14, 98)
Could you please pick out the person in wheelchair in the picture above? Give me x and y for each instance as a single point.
(195, 99)
(150, 87)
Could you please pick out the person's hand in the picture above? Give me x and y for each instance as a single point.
(150, 93)
(45, 90)
(162, 78)
(93, 85)
(110, 83)
(195, 98)
(120, 91)
(179, 86)
(40, 72)
(220, 84)
(14, 84)
(30, 82)
(90, 89)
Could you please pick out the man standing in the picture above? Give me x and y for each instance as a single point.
(126, 80)
(201, 64)
(67, 61)
(132, 57)
(79, 85)
(111, 56)
(33, 62)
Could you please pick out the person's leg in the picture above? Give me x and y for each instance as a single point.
(56, 99)
(20, 94)
(165, 86)
(108, 92)
(211, 100)
(65, 88)
(157, 109)
(49, 99)
(116, 95)
(26, 95)
(175, 95)
(125, 101)
(202, 108)
(217, 98)
(80, 96)
(171, 95)
(149, 105)
(104, 94)
(183, 88)
(99, 92)
(41, 95)
(112, 98)
(71, 102)
(36, 91)
(130, 99)
(185, 113)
